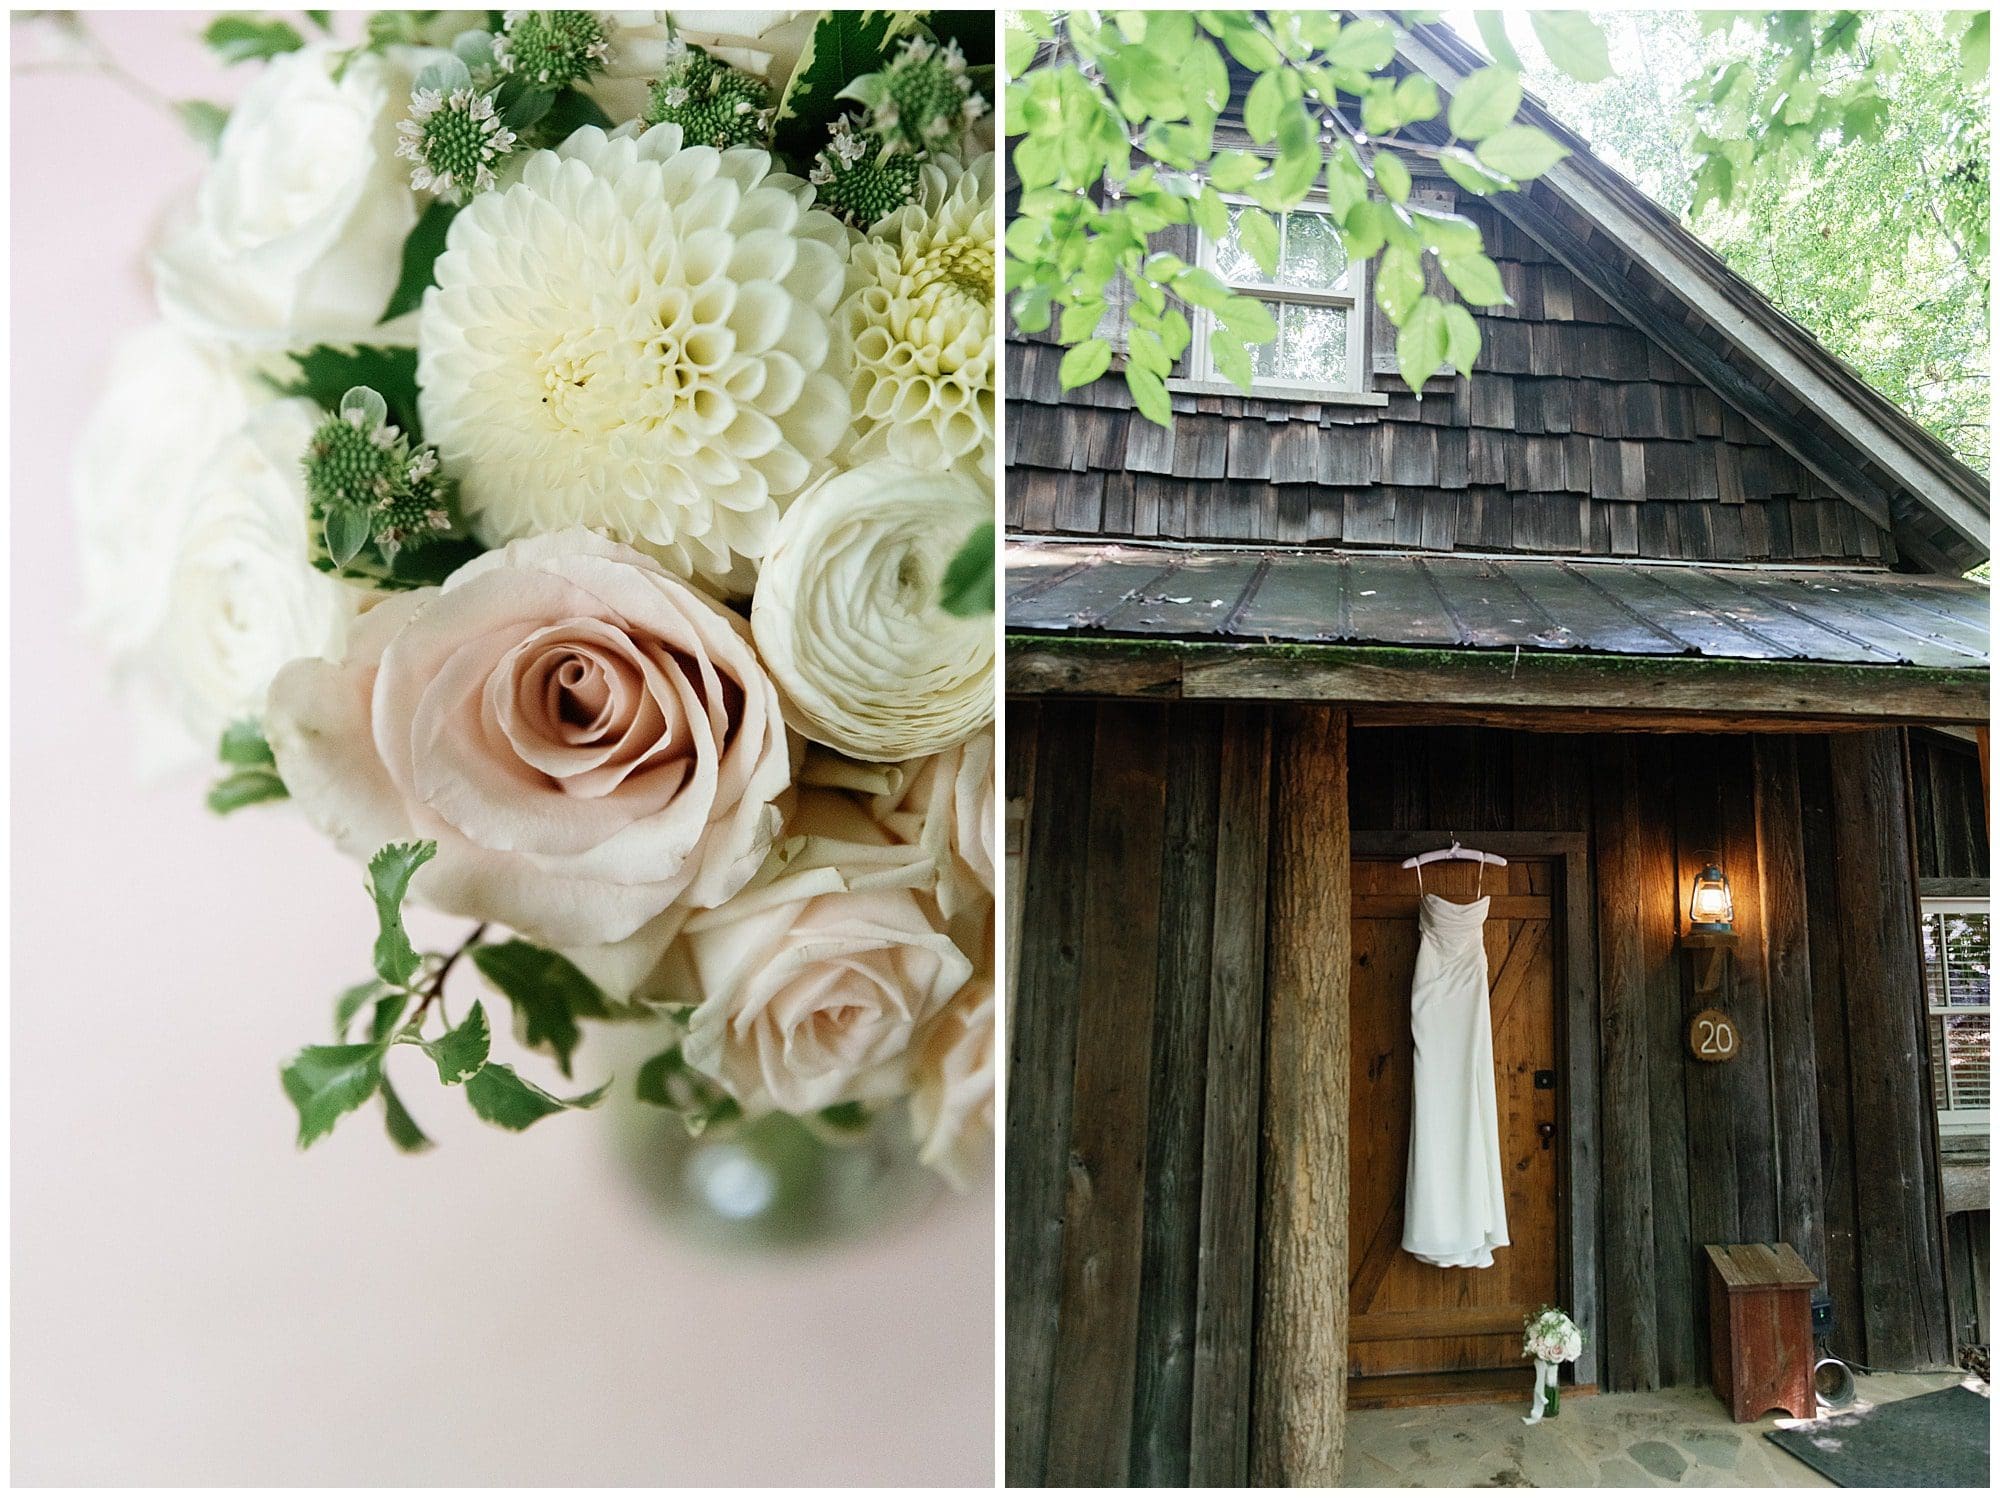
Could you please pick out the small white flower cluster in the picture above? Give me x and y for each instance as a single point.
(697, 715)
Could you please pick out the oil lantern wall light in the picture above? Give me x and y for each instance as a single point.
(1709, 937)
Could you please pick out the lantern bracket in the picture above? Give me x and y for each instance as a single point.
(1711, 951)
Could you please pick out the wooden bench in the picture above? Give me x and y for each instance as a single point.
(1760, 1329)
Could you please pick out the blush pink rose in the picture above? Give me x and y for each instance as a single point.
(813, 983)
(589, 739)
(951, 1101)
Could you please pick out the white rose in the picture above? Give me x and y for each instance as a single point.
(167, 403)
(848, 620)
(944, 804)
(296, 234)
(589, 740)
(813, 981)
(192, 511)
(951, 1103)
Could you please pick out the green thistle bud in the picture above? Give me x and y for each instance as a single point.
(370, 491)
(860, 181)
(553, 48)
(713, 103)
(921, 100)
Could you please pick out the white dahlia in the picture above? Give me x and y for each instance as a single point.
(636, 338)
(919, 314)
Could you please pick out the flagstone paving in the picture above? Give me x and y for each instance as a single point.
(1665, 1439)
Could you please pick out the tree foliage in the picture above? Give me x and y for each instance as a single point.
(1870, 229)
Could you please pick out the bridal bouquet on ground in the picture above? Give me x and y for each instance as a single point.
(1551, 1339)
(564, 473)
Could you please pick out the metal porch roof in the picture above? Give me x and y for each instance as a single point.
(1497, 603)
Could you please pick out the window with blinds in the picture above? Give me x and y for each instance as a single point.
(1958, 998)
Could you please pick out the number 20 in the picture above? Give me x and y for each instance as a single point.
(1718, 1038)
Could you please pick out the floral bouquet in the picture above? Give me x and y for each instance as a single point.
(564, 472)
(1551, 1339)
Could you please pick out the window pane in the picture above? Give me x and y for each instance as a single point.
(1314, 346)
(1933, 941)
(1267, 359)
(1314, 258)
(1232, 262)
(1968, 1044)
(1966, 952)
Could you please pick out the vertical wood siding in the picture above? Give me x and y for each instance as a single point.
(1138, 1049)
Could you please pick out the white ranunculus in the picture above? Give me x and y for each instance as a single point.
(763, 43)
(634, 338)
(242, 600)
(951, 1100)
(589, 740)
(295, 235)
(848, 620)
(813, 982)
(919, 317)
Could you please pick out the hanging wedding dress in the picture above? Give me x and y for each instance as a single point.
(1455, 1209)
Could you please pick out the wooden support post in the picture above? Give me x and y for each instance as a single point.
(1300, 1399)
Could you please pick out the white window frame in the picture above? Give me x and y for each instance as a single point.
(1954, 1121)
(1204, 374)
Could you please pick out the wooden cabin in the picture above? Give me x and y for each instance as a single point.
(1662, 583)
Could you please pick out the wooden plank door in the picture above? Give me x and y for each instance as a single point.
(1405, 1316)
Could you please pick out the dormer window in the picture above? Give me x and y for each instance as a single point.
(1316, 298)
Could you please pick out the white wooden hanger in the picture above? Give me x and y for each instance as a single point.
(1455, 851)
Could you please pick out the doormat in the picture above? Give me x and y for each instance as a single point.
(1930, 1441)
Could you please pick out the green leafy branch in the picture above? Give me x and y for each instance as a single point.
(326, 1082)
(1118, 144)
(250, 771)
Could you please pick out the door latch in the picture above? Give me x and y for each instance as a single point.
(1545, 1081)
(1548, 1133)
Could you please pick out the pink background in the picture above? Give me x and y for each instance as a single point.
(196, 1302)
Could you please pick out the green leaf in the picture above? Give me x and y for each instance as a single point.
(1416, 99)
(1975, 49)
(1399, 283)
(1392, 176)
(1447, 232)
(322, 19)
(1420, 343)
(1368, 45)
(667, 1081)
(388, 1014)
(1019, 48)
(1249, 319)
(325, 1081)
(1461, 338)
(569, 111)
(1493, 31)
(348, 527)
(1485, 102)
(844, 45)
(548, 991)
(1367, 229)
(403, 1129)
(1150, 395)
(501, 1096)
(967, 589)
(1084, 363)
(245, 788)
(351, 1002)
(324, 373)
(1463, 168)
(1259, 235)
(243, 743)
(462, 1051)
(1573, 42)
(1261, 109)
(389, 875)
(1476, 278)
(421, 247)
(1521, 152)
(247, 38)
(203, 122)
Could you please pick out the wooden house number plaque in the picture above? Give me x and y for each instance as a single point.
(1712, 1036)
